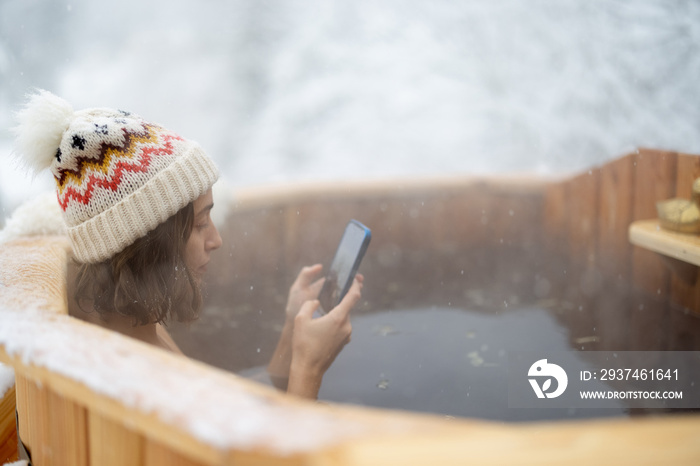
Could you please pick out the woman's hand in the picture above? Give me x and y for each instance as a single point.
(317, 342)
(306, 287)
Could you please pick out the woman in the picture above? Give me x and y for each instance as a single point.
(136, 199)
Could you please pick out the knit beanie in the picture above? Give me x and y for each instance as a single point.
(117, 176)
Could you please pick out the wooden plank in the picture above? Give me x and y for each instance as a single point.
(615, 214)
(555, 215)
(556, 267)
(688, 171)
(68, 436)
(684, 291)
(516, 220)
(157, 454)
(8, 427)
(21, 393)
(112, 444)
(655, 180)
(582, 200)
(611, 308)
(142, 422)
(35, 433)
(261, 458)
(582, 282)
(311, 232)
(467, 218)
(648, 234)
(297, 193)
(292, 235)
(665, 441)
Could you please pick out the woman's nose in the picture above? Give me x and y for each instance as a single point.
(214, 241)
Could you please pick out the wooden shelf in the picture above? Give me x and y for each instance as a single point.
(682, 246)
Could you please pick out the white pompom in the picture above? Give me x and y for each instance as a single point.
(41, 124)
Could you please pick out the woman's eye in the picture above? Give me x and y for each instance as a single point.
(203, 223)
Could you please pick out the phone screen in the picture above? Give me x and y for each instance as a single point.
(345, 263)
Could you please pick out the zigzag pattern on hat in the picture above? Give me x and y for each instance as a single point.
(104, 157)
(107, 171)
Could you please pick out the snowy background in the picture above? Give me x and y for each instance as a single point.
(301, 90)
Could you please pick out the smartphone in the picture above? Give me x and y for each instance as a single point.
(345, 263)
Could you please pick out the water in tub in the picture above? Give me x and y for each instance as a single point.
(445, 361)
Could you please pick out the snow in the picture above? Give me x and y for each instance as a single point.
(209, 404)
(39, 216)
(215, 407)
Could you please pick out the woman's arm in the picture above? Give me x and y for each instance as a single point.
(279, 365)
(306, 287)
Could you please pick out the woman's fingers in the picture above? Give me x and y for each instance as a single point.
(315, 287)
(308, 275)
(349, 301)
(307, 309)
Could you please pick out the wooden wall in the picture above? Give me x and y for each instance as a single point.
(589, 216)
(573, 231)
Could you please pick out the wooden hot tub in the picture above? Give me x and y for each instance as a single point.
(88, 396)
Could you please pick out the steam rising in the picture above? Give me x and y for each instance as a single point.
(289, 90)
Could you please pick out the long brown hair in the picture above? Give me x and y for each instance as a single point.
(149, 280)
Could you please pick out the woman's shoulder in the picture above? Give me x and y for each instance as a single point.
(165, 340)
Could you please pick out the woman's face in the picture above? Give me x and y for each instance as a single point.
(204, 238)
